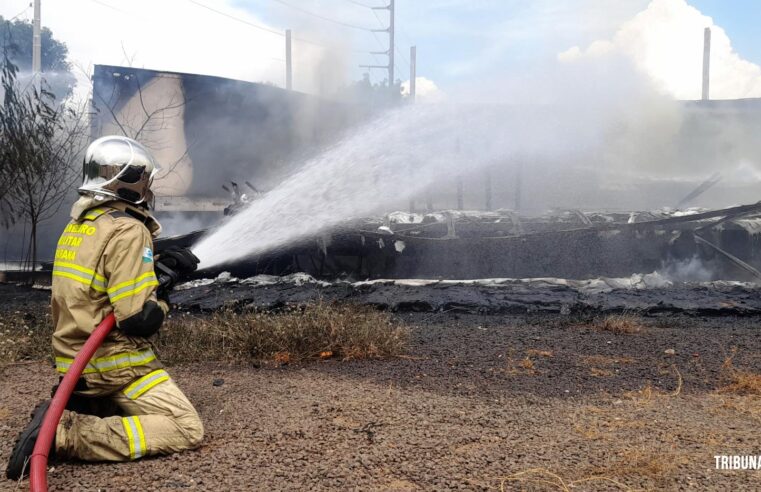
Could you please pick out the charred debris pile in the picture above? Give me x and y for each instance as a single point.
(722, 244)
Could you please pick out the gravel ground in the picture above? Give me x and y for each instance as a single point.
(478, 403)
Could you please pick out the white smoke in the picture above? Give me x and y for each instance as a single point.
(665, 41)
(174, 35)
(687, 270)
(426, 90)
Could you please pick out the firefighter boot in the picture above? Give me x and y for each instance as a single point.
(18, 464)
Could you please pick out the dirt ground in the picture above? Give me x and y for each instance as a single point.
(479, 402)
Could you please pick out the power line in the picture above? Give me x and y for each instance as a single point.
(380, 22)
(406, 60)
(264, 28)
(377, 40)
(256, 26)
(19, 14)
(404, 33)
(318, 16)
(362, 4)
(396, 49)
(238, 19)
(103, 4)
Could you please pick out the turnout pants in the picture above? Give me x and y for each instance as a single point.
(157, 419)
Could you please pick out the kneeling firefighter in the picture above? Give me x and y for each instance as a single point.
(125, 405)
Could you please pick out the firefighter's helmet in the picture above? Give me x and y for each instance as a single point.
(118, 167)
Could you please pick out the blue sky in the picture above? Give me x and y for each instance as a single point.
(742, 21)
(458, 39)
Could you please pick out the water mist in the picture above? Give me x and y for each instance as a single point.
(387, 160)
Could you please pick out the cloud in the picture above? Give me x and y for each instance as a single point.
(174, 35)
(665, 41)
(426, 90)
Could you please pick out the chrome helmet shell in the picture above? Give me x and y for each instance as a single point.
(118, 167)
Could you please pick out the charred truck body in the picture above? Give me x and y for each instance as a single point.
(209, 131)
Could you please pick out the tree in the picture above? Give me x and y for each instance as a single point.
(16, 41)
(41, 141)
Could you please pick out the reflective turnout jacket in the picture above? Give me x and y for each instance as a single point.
(104, 263)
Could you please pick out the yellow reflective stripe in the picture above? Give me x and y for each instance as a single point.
(99, 281)
(72, 276)
(131, 292)
(135, 437)
(74, 266)
(136, 389)
(134, 281)
(130, 436)
(94, 214)
(97, 287)
(105, 364)
(141, 438)
(62, 365)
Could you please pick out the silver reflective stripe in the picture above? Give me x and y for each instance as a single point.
(78, 273)
(136, 434)
(124, 360)
(131, 287)
(146, 383)
(103, 364)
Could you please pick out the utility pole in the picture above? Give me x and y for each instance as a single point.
(706, 62)
(518, 184)
(390, 53)
(288, 61)
(412, 100)
(460, 200)
(413, 72)
(391, 43)
(36, 40)
(487, 185)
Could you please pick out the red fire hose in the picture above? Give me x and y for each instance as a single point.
(38, 480)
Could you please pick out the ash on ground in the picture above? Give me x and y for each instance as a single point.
(491, 393)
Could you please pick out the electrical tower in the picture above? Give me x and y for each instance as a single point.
(390, 52)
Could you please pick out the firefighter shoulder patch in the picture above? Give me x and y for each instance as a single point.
(147, 255)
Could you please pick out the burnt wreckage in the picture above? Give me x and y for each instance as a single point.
(504, 244)
(246, 129)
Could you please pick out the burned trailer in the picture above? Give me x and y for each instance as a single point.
(709, 245)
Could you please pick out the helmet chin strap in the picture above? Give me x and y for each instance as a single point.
(149, 200)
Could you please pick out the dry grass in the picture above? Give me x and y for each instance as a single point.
(620, 324)
(749, 405)
(644, 461)
(600, 365)
(643, 396)
(24, 337)
(648, 394)
(539, 353)
(317, 331)
(629, 444)
(604, 360)
(600, 373)
(605, 424)
(520, 367)
(738, 381)
(525, 366)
